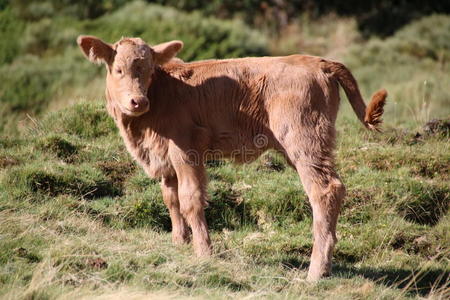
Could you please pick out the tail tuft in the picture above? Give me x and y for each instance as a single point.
(375, 110)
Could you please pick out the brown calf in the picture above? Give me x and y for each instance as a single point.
(174, 115)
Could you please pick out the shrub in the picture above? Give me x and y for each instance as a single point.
(203, 37)
(38, 9)
(49, 36)
(381, 17)
(10, 32)
(30, 84)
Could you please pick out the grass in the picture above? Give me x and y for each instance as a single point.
(79, 219)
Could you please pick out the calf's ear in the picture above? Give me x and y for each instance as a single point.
(166, 51)
(95, 49)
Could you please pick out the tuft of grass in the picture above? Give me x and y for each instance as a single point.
(118, 273)
(116, 171)
(59, 146)
(426, 205)
(147, 209)
(83, 120)
(82, 181)
(226, 207)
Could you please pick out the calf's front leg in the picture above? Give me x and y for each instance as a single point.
(192, 196)
(169, 189)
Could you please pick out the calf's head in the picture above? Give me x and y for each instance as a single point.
(130, 64)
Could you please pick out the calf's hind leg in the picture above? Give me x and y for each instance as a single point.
(169, 188)
(326, 193)
(312, 156)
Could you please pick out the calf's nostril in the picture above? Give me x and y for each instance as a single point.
(134, 103)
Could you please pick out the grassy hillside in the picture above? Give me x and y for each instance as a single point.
(41, 66)
(78, 218)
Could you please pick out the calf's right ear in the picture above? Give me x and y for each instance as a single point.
(95, 49)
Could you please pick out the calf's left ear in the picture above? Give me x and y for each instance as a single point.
(166, 51)
(95, 49)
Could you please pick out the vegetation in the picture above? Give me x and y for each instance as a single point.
(78, 218)
(47, 67)
(380, 17)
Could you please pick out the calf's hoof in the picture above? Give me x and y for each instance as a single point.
(315, 274)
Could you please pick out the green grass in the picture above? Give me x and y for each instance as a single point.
(78, 218)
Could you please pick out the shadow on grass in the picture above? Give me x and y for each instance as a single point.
(415, 282)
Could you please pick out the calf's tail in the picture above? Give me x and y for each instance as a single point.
(370, 116)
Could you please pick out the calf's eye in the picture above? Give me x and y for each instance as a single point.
(119, 71)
